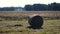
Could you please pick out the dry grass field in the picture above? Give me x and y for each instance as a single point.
(28, 13)
(51, 26)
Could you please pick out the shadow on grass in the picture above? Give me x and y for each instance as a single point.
(34, 27)
(14, 25)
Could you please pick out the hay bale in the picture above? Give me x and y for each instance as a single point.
(36, 21)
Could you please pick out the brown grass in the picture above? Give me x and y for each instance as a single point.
(49, 26)
(41, 13)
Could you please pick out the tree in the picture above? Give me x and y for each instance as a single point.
(54, 6)
(28, 7)
(36, 7)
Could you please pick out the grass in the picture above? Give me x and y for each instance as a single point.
(49, 27)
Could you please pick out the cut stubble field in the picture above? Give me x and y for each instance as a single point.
(49, 27)
(20, 26)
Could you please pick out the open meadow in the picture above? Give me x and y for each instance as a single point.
(10, 20)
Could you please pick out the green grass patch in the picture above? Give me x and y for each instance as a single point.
(49, 27)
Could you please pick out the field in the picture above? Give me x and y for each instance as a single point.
(50, 26)
(28, 13)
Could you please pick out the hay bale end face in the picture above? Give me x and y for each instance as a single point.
(36, 21)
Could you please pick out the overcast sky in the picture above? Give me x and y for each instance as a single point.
(22, 3)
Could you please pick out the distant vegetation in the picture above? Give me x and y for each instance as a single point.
(43, 7)
(35, 7)
(11, 9)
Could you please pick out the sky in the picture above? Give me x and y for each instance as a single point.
(22, 3)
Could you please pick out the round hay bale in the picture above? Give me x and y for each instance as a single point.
(36, 21)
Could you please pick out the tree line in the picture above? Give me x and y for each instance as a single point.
(7, 9)
(11, 8)
(35, 7)
(43, 7)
